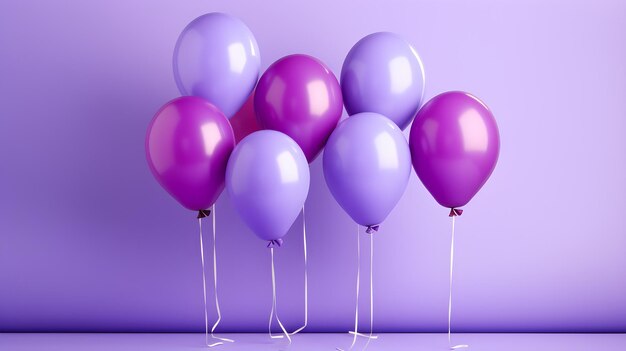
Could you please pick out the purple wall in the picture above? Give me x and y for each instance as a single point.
(88, 240)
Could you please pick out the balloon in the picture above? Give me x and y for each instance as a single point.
(299, 96)
(454, 147)
(383, 73)
(267, 179)
(367, 164)
(244, 122)
(217, 58)
(187, 146)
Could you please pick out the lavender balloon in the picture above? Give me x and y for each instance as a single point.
(454, 146)
(187, 146)
(383, 73)
(299, 96)
(217, 58)
(268, 181)
(367, 164)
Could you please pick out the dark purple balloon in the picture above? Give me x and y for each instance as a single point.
(299, 96)
(188, 145)
(454, 145)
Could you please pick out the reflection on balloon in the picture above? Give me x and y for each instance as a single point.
(382, 73)
(188, 144)
(299, 96)
(217, 58)
(367, 165)
(454, 146)
(268, 181)
(244, 122)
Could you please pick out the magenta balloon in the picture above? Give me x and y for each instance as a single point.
(299, 96)
(268, 181)
(454, 147)
(187, 146)
(367, 164)
(217, 58)
(382, 73)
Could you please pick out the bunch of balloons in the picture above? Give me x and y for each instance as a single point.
(284, 119)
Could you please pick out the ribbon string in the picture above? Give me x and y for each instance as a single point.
(274, 311)
(453, 213)
(203, 214)
(355, 332)
(370, 337)
(306, 279)
(217, 303)
(206, 316)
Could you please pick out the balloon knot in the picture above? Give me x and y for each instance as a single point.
(372, 228)
(203, 213)
(455, 212)
(277, 242)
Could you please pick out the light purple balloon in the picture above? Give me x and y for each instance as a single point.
(268, 181)
(299, 96)
(454, 146)
(217, 58)
(187, 146)
(383, 73)
(367, 164)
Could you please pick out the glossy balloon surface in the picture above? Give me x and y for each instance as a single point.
(188, 144)
(217, 58)
(455, 145)
(299, 96)
(268, 181)
(383, 73)
(244, 122)
(367, 165)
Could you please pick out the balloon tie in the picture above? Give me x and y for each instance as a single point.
(355, 332)
(372, 228)
(276, 242)
(306, 284)
(203, 213)
(453, 214)
(274, 311)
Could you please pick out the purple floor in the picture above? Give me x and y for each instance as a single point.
(312, 342)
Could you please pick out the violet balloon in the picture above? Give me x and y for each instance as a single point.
(382, 73)
(267, 179)
(454, 144)
(217, 58)
(299, 96)
(188, 144)
(367, 164)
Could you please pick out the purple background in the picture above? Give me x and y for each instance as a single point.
(89, 242)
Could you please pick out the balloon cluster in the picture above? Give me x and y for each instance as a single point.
(294, 113)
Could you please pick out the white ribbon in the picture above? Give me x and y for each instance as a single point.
(461, 346)
(217, 304)
(355, 332)
(306, 279)
(370, 337)
(274, 311)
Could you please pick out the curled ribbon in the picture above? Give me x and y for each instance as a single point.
(277, 242)
(455, 212)
(372, 228)
(203, 213)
